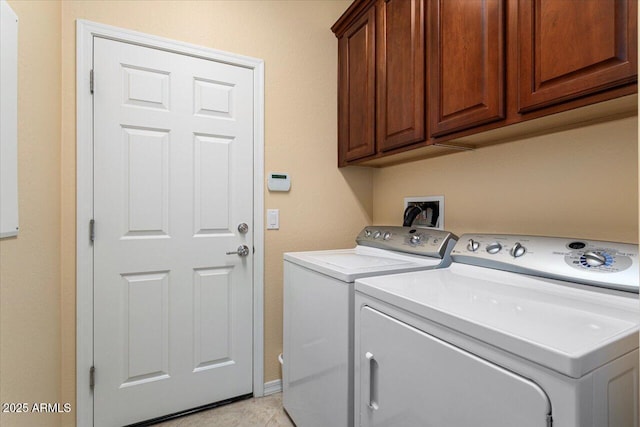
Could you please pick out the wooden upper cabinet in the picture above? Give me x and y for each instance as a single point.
(413, 73)
(400, 115)
(466, 64)
(356, 89)
(572, 48)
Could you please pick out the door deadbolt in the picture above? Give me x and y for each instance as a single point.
(243, 228)
(243, 250)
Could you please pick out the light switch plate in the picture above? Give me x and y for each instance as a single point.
(273, 219)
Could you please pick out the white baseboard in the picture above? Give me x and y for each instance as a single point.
(272, 387)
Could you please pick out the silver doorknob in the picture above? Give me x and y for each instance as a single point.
(243, 250)
(243, 228)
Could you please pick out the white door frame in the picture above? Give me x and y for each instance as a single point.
(85, 32)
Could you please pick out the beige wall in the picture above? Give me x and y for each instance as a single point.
(581, 182)
(326, 206)
(30, 263)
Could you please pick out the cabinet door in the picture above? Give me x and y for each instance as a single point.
(466, 64)
(410, 378)
(572, 48)
(356, 89)
(401, 73)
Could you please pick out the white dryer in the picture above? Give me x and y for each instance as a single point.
(518, 331)
(318, 315)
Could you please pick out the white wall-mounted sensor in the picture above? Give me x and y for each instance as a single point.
(278, 181)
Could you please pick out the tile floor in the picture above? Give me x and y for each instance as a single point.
(255, 412)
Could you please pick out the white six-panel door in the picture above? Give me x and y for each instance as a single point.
(173, 179)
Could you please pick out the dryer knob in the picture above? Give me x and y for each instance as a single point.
(494, 248)
(595, 259)
(473, 245)
(415, 239)
(518, 250)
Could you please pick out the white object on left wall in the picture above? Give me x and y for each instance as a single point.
(8, 121)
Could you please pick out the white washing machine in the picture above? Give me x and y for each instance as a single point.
(318, 315)
(519, 331)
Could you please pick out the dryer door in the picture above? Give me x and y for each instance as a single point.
(410, 378)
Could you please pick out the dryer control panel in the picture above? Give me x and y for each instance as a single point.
(413, 240)
(592, 262)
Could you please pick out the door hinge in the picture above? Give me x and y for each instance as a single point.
(91, 81)
(549, 421)
(92, 230)
(92, 377)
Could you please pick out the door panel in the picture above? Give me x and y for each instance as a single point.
(145, 338)
(173, 155)
(212, 198)
(212, 292)
(146, 177)
(410, 378)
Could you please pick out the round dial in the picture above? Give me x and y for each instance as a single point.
(367, 233)
(494, 248)
(473, 245)
(518, 250)
(415, 239)
(599, 260)
(386, 236)
(594, 259)
(376, 234)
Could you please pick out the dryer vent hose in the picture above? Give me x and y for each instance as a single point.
(412, 212)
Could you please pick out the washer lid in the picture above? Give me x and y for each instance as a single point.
(351, 264)
(568, 329)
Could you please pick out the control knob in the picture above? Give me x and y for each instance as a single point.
(518, 250)
(473, 245)
(376, 234)
(386, 236)
(415, 239)
(367, 233)
(494, 248)
(595, 259)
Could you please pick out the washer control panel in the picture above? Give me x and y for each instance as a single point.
(606, 264)
(413, 240)
(598, 258)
